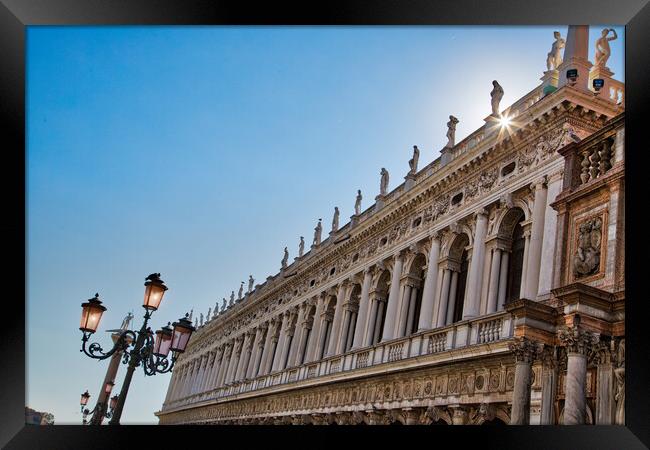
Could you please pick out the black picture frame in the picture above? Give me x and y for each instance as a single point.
(16, 15)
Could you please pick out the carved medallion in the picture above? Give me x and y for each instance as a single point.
(586, 259)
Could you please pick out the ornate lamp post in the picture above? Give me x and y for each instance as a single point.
(151, 353)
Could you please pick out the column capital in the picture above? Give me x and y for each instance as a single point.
(436, 235)
(577, 340)
(540, 183)
(482, 212)
(525, 350)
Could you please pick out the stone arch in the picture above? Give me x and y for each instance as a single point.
(417, 262)
(457, 245)
(508, 220)
(381, 280)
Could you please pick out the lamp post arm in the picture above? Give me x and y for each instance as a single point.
(95, 350)
(134, 361)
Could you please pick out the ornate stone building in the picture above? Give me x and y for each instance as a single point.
(488, 288)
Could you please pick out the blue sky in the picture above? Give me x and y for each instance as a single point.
(201, 152)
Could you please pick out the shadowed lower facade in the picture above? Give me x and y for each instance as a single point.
(488, 288)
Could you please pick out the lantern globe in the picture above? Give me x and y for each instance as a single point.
(153, 292)
(84, 398)
(114, 400)
(109, 387)
(163, 341)
(91, 314)
(183, 329)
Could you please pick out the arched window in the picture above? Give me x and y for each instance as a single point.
(516, 264)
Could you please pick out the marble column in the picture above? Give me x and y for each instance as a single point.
(493, 289)
(437, 296)
(525, 351)
(444, 298)
(389, 331)
(277, 358)
(475, 278)
(286, 344)
(364, 306)
(314, 336)
(430, 283)
(234, 359)
(345, 327)
(352, 324)
(536, 238)
(255, 350)
(578, 343)
(335, 332)
(243, 359)
(405, 299)
(453, 288)
(411, 314)
(267, 351)
(372, 321)
(549, 387)
(503, 281)
(379, 318)
(223, 366)
(215, 370)
(302, 343)
(524, 266)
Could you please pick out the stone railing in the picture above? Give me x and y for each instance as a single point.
(486, 329)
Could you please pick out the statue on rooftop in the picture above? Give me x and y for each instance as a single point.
(241, 291)
(317, 232)
(602, 47)
(335, 219)
(285, 259)
(216, 309)
(223, 305)
(191, 312)
(207, 318)
(201, 321)
(357, 203)
(451, 131)
(413, 162)
(383, 186)
(497, 95)
(232, 298)
(250, 283)
(554, 57)
(126, 321)
(301, 247)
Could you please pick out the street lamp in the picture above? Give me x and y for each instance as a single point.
(152, 354)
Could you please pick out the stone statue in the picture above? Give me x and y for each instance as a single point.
(207, 318)
(451, 131)
(191, 313)
(587, 258)
(201, 321)
(602, 47)
(301, 247)
(413, 162)
(250, 283)
(383, 186)
(196, 323)
(335, 219)
(241, 291)
(317, 232)
(357, 203)
(285, 258)
(126, 321)
(554, 57)
(497, 95)
(232, 298)
(223, 305)
(619, 372)
(216, 309)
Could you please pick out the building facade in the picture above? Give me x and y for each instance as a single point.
(488, 288)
